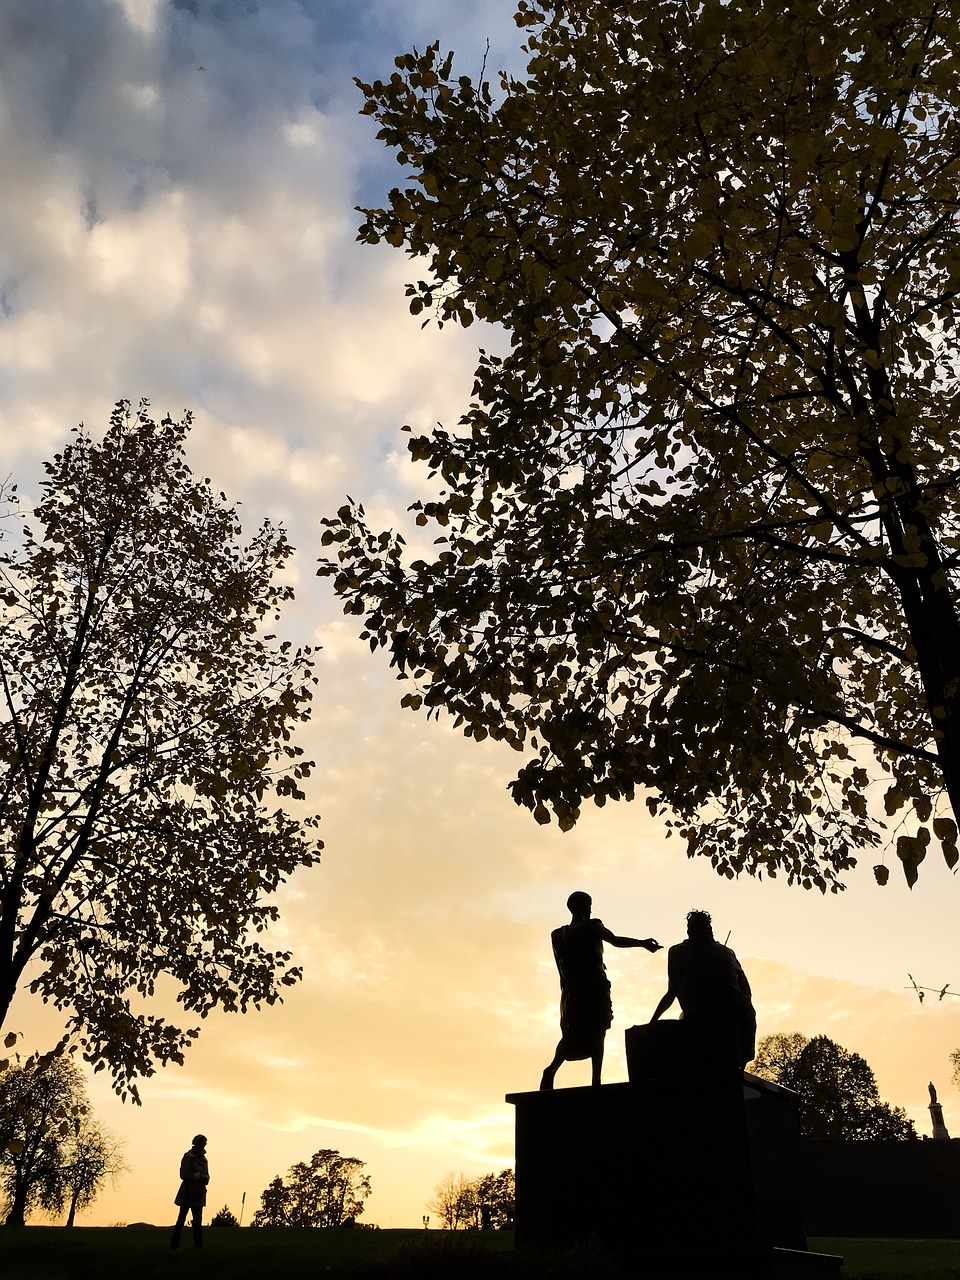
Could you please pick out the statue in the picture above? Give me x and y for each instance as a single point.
(713, 991)
(586, 1010)
(940, 1132)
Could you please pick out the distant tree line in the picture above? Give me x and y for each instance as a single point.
(484, 1203)
(326, 1191)
(54, 1155)
(837, 1089)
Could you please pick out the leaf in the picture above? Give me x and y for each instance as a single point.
(911, 851)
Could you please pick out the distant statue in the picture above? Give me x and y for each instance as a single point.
(586, 1010)
(713, 991)
(192, 1196)
(940, 1132)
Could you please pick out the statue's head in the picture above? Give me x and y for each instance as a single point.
(699, 926)
(579, 904)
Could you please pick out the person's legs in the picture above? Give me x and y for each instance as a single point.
(198, 1226)
(546, 1080)
(178, 1228)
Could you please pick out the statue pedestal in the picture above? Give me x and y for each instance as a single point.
(659, 1171)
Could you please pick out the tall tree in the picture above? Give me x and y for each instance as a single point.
(453, 1202)
(42, 1104)
(274, 1208)
(837, 1089)
(91, 1157)
(494, 1200)
(324, 1192)
(700, 522)
(146, 716)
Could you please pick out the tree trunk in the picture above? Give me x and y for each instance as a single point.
(18, 1209)
(71, 1216)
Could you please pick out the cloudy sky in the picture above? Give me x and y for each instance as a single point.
(177, 222)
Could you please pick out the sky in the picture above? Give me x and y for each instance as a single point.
(177, 222)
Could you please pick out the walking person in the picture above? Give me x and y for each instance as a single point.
(192, 1196)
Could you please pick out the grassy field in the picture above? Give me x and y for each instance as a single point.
(143, 1253)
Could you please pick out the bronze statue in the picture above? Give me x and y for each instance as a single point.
(586, 1010)
(713, 991)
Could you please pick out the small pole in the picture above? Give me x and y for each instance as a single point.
(243, 1201)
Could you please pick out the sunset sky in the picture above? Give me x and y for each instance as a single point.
(177, 222)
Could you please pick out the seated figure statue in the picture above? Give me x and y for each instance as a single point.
(713, 991)
(586, 1010)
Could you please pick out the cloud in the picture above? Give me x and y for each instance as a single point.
(178, 214)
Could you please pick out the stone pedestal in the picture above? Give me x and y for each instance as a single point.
(659, 1171)
(940, 1132)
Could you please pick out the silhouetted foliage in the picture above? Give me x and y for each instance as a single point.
(452, 1201)
(325, 1192)
(486, 1202)
(838, 1090)
(90, 1158)
(53, 1153)
(699, 525)
(224, 1218)
(494, 1198)
(145, 722)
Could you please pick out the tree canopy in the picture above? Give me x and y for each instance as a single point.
(324, 1192)
(494, 1200)
(91, 1157)
(452, 1201)
(146, 720)
(837, 1088)
(484, 1203)
(698, 528)
(43, 1109)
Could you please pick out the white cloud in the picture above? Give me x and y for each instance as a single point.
(178, 221)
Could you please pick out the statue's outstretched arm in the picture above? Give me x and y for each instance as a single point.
(650, 944)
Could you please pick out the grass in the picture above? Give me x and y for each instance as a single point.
(144, 1253)
(895, 1259)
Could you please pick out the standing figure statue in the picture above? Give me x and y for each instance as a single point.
(713, 991)
(586, 1010)
(192, 1195)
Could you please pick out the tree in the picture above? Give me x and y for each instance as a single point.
(91, 1157)
(838, 1090)
(326, 1192)
(224, 1218)
(700, 521)
(146, 716)
(42, 1104)
(453, 1202)
(494, 1198)
(274, 1208)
